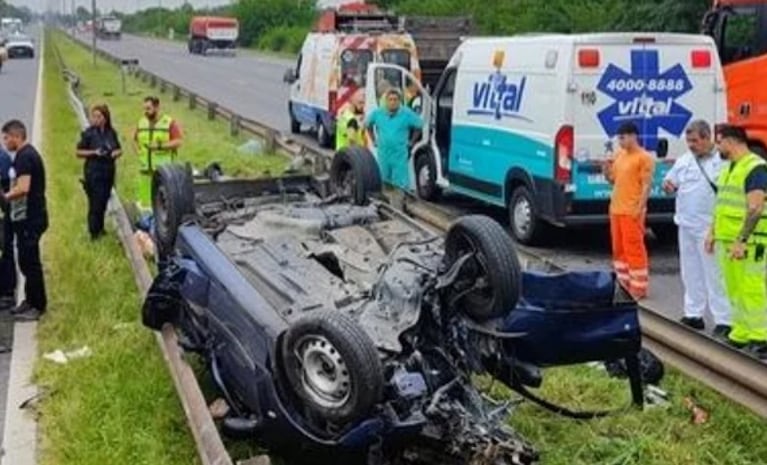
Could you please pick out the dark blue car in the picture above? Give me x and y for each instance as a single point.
(338, 327)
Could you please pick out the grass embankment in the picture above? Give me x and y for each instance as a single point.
(204, 141)
(658, 436)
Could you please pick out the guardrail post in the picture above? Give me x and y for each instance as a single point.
(234, 126)
(192, 101)
(163, 87)
(270, 141)
(176, 93)
(212, 107)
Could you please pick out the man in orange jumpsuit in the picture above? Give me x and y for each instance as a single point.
(631, 174)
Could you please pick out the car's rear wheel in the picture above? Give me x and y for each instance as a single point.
(172, 201)
(490, 282)
(354, 174)
(332, 367)
(526, 226)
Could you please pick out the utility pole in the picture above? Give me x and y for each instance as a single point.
(93, 30)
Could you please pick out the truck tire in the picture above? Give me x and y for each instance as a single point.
(426, 175)
(354, 174)
(172, 202)
(495, 261)
(526, 226)
(332, 367)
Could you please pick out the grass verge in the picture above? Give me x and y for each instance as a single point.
(204, 141)
(658, 436)
(119, 405)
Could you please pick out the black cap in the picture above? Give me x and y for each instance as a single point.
(628, 128)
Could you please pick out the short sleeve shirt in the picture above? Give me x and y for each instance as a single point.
(393, 130)
(95, 138)
(632, 172)
(32, 207)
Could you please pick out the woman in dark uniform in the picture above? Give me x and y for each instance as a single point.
(100, 147)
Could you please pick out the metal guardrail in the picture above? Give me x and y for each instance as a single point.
(210, 446)
(732, 373)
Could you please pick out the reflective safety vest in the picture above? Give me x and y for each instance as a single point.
(731, 203)
(342, 135)
(149, 136)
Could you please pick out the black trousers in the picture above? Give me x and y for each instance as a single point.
(99, 180)
(28, 245)
(7, 262)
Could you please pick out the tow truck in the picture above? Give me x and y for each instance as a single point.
(739, 28)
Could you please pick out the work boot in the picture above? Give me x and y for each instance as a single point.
(721, 332)
(757, 349)
(21, 308)
(31, 314)
(693, 322)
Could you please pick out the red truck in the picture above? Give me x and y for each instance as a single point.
(213, 33)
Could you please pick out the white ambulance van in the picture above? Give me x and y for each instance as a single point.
(526, 122)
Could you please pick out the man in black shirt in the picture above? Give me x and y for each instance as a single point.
(7, 261)
(29, 216)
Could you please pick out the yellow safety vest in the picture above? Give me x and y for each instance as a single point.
(150, 135)
(731, 203)
(342, 135)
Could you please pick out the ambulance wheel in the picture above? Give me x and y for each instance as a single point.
(324, 138)
(426, 176)
(526, 227)
(295, 126)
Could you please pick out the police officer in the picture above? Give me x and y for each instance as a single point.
(349, 128)
(100, 147)
(7, 261)
(739, 238)
(157, 139)
(29, 216)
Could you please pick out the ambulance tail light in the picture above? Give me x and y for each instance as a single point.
(332, 101)
(588, 58)
(564, 148)
(700, 58)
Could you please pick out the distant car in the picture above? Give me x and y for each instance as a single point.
(20, 46)
(333, 324)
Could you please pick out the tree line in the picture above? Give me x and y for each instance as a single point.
(281, 25)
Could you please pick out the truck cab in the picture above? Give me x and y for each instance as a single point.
(739, 29)
(527, 123)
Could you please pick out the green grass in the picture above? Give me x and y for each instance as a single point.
(204, 141)
(140, 398)
(118, 406)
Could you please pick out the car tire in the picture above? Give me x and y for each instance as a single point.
(525, 225)
(333, 367)
(426, 176)
(324, 138)
(495, 260)
(354, 173)
(295, 125)
(172, 202)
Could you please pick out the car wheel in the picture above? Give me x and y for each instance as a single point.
(490, 283)
(295, 126)
(172, 201)
(333, 367)
(426, 176)
(523, 217)
(323, 136)
(354, 174)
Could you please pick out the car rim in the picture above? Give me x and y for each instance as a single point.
(324, 375)
(522, 217)
(476, 269)
(345, 185)
(424, 178)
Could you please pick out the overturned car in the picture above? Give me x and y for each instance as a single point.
(332, 323)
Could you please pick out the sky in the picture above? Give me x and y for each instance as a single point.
(129, 6)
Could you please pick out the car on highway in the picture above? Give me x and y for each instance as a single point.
(336, 326)
(20, 46)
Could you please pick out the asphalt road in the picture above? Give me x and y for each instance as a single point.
(18, 86)
(251, 84)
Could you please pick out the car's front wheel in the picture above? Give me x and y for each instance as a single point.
(172, 201)
(354, 174)
(490, 282)
(332, 367)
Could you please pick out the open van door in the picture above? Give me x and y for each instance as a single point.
(380, 78)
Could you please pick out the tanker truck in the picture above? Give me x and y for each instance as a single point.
(208, 33)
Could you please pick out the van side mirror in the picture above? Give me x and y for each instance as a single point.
(662, 150)
(290, 76)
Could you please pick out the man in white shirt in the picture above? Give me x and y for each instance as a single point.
(693, 178)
